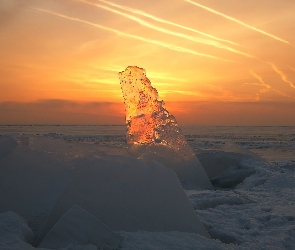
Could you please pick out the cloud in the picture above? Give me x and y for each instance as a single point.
(233, 113)
(282, 75)
(266, 87)
(239, 22)
(57, 111)
(142, 13)
(166, 45)
(169, 32)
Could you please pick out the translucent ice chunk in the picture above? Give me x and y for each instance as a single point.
(153, 134)
(78, 227)
(126, 194)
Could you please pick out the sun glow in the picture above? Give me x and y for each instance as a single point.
(195, 53)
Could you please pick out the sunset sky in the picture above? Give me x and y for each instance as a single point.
(213, 62)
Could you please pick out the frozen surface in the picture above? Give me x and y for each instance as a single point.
(153, 133)
(257, 212)
(276, 145)
(70, 149)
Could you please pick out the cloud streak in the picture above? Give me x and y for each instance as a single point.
(282, 75)
(166, 45)
(142, 13)
(267, 87)
(262, 83)
(177, 34)
(239, 22)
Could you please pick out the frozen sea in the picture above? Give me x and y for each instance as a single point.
(252, 205)
(275, 144)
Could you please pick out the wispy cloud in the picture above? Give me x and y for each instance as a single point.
(142, 13)
(163, 30)
(282, 75)
(266, 87)
(239, 22)
(259, 78)
(291, 68)
(166, 45)
(184, 92)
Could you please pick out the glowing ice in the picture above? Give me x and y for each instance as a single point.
(153, 134)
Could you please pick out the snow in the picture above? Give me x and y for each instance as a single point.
(258, 224)
(257, 214)
(42, 178)
(153, 133)
(14, 232)
(211, 199)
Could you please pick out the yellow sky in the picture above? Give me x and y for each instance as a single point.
(213, 62)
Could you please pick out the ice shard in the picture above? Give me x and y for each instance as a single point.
(153, 133)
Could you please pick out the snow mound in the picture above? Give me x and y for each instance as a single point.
(234, 148)
(270, 177)
(216, 162)
(233, 176)
(153, 134)
(250, 226)
(229, 168)
(14, 232)
(78, 227)
(204, 199)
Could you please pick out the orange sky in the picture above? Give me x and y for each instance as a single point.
(213, 62)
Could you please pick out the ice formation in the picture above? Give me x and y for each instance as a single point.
(7, 145)
(153, 134)
(78, 227)
(43, 178)
(126, 194)
(42, 181)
